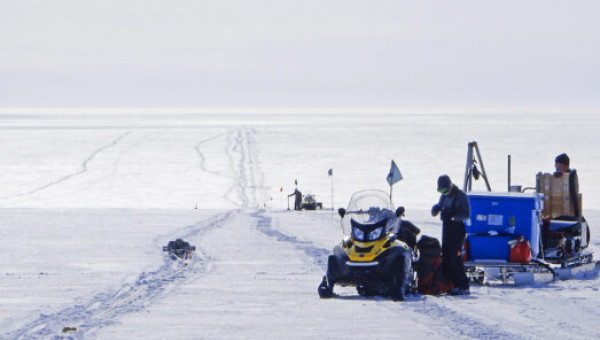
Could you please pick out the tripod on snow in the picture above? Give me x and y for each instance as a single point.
(471, 170)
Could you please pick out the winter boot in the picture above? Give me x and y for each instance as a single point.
(325, 290)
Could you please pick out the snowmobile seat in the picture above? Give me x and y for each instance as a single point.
(566, 224)
(556, 225)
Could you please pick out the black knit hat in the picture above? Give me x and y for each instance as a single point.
(562, 159)
(443, 183)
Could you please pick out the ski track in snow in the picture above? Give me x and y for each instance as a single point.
(231, 151)
(234, 151)
(84, 168)
(459, 324)
(115, 165)
(248, 179)
(203, 166)
(250, 174)
(106, 308)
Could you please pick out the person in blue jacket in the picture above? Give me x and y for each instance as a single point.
(454, 209)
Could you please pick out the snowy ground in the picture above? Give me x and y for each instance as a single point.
(87, 201)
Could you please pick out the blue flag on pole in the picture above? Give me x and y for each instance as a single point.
(394, 175)
(330, 172)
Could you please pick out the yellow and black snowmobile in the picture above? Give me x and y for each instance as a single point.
(370, 257)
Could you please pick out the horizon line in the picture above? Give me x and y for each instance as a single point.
(295, 110)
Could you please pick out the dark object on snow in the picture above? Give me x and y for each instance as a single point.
(431, 277)
(66, 330)
(179, 249)
(310, 203)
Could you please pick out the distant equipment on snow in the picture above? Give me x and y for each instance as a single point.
(179, 249)
(310, 203)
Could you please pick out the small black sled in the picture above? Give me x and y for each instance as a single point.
(179, 249)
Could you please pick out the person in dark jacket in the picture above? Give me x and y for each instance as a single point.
(298, 199)
(454, 209)
(562, 166)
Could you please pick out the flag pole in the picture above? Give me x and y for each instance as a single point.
(393, 176)
(332, 205)
(330, 173)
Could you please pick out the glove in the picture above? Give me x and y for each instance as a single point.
(446, 216)
(435, 210)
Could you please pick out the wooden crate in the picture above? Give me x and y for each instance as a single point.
(557, 196)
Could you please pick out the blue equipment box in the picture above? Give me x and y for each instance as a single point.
(482, 247)
(506, 214)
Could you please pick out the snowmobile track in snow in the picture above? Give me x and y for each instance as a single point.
(319, 255)
(106, 308)
(200, 153)
(243, 169)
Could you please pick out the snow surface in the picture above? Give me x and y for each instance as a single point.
(88, 200)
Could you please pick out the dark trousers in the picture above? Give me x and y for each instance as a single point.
(453, 237)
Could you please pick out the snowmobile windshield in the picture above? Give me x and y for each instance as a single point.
(367, 211)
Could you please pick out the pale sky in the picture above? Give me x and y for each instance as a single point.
(260, 53)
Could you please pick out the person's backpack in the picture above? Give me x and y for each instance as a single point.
(430, 274)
